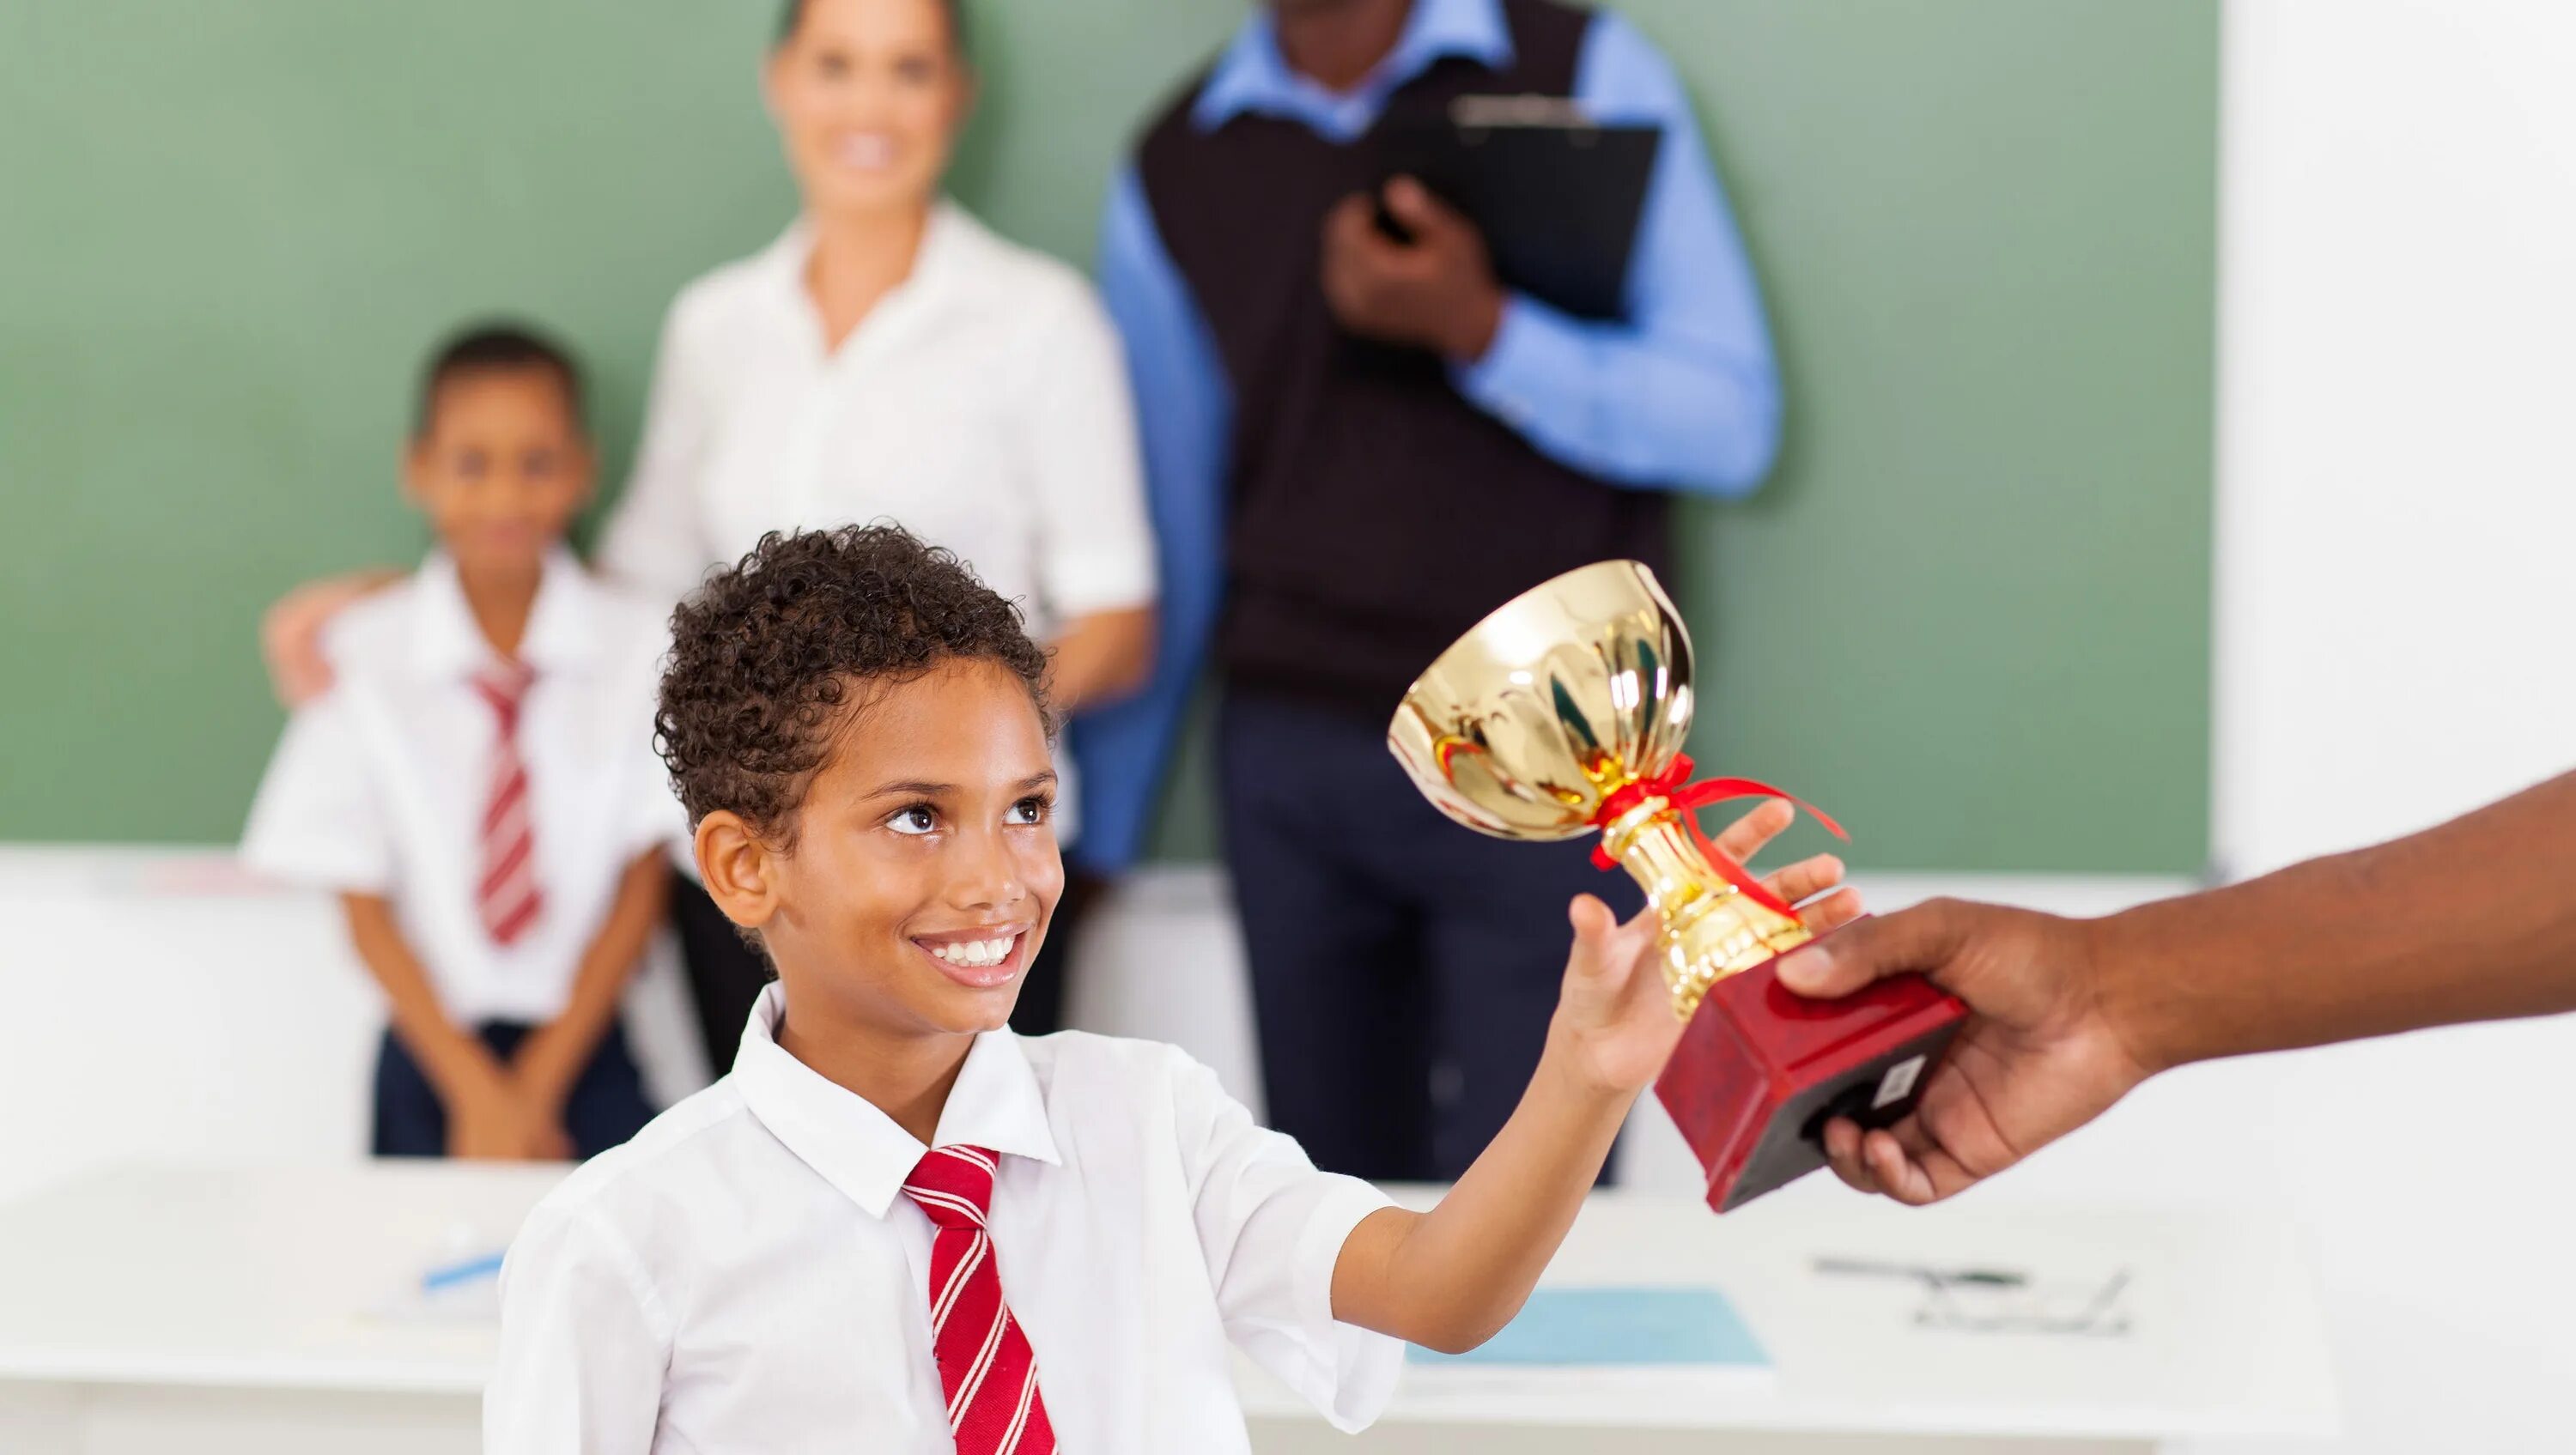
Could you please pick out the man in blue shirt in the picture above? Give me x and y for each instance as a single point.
(1357, 446)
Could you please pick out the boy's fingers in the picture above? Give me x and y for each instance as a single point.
(1744, 838)
(1832, 912)
(1806, 877)
(1594, 929)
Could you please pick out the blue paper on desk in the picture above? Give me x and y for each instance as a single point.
(1623, 1327)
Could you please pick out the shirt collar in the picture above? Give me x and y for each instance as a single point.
(947, 240)
(995, 1104)
(1251, 74)
(563, 625)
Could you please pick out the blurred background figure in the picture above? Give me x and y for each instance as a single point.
(478, 782)
(1361, 443)
(887, 357)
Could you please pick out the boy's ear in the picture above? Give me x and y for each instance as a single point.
(740, 871)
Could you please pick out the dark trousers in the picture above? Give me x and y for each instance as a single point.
(1404, 968)
(606, 1107)
(726, 974)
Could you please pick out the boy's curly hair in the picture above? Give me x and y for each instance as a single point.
(771, 655)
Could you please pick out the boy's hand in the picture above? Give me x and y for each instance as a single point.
(1451, 1277)
(543, 1075)
(496, 1121)
(1614, 1025)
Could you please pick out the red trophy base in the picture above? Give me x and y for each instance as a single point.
(1760, 1071)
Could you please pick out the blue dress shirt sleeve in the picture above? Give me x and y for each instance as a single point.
(1184, 414)
(1682, 394)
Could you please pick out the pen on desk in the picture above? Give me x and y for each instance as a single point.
(451, 1274)
(1878, 1268)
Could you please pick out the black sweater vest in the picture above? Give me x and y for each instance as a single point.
(1374, 513)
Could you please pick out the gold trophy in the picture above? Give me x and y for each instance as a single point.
(1565, 712)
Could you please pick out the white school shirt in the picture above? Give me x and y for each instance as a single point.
(379, 785)
(746, 1274)
(982, 404)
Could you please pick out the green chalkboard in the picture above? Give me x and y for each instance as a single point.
(1970, 611)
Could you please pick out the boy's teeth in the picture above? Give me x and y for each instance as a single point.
(976, 953)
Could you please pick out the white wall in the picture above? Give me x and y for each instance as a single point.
(2396, 507)
(2397, 416)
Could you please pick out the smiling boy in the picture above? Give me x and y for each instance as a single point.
(897, 1226)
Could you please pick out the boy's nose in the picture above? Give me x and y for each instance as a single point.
(989, 877)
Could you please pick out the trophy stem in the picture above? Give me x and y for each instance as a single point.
(1711, 929)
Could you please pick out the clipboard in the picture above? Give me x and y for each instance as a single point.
(1556, 194)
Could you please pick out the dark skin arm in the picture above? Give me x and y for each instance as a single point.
(2472, 920)
(551, 1059)
(487, 1115)
(1101, 657)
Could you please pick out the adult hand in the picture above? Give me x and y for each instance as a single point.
(290, 632)
(2040, 1055)
(1437, 292)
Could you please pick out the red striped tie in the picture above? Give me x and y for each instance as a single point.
(507, 895)
(985, 1363)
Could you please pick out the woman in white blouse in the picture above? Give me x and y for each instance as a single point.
(887, 357)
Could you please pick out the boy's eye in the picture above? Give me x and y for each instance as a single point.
(1030, 810)
(472, 464)
(914, 821)
(831, 65)
(916, 70)
(539, 463)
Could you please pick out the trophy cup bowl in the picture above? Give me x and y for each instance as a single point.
(1563, 713)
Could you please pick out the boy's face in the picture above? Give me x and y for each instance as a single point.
(925, 866)
(502, 468)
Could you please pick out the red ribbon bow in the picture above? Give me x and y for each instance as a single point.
(1689, 798)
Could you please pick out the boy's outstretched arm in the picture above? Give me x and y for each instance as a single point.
(1450, 1278)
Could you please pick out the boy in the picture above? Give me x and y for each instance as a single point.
(897, 1226)
(479, 783)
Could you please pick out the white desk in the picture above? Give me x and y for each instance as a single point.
(227, 1310)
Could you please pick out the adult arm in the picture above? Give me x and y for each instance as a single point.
(1184, 425)
(1096, 565)
(2471, 920)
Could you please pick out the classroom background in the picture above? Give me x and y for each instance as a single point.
(2175, 485)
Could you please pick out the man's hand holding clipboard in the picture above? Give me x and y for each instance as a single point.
(1435, 289)
(1502, 194)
